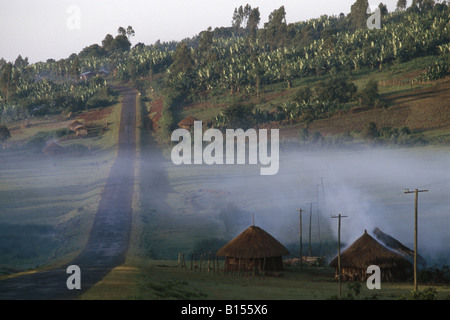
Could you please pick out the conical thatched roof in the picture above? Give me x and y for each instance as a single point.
(253, 242)
(397, 246)
(53, 148)
(75, 124)
(366, 251)
(188, 121)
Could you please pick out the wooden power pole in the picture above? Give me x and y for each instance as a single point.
(301, 244)
(339, 252)
(416, 192)
(309, 236)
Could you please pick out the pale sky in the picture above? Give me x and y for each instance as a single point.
(43, 29)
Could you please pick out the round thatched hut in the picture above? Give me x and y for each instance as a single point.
(187, 122)
(366, 251)
(53, 149)
(253, 249)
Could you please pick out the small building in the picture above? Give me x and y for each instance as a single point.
(53, 148)
(187, 123)
(75, 124)
(81, 130)
(253, 249)
(366, 251)
(87, 75)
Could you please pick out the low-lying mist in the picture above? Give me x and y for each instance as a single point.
(366, 185)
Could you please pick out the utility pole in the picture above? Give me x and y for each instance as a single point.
(309, 236)
(301, 245)
(318, 222)
(416, 192)
(339, 252)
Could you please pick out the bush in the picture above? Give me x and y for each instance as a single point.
(427, 294)
(369, 96)
(39, 140)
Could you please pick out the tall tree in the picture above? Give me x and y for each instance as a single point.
(253, 22)
(4, 135)
(238, 17)
(276, 28)
(401, 5)
(107, 43)
(358, 15)
(130, 32)
(75, 68)
(20, 62)
(182, 59)
(5, 80)
(121, 31)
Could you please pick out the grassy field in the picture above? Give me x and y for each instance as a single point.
(164, 280)
(48, 202)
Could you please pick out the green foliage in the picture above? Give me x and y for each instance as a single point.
(337, 90)
(368, 96)
(426, 294)
(438, 70)
(5, 134)
(239, 116)
(370, 131)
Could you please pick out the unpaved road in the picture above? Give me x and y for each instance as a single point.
(109, 236)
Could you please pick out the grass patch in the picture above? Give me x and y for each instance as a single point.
(144, 279)
(48, 202)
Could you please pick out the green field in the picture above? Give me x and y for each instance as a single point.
(48, 202)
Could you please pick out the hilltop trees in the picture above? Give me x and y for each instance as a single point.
(6, 78)
(4, 135)
(119, 43)
(358, 15)
(401, 5)
(275, 30)
(245, 21)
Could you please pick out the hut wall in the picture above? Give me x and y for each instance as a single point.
(387, 274)
(233, 264)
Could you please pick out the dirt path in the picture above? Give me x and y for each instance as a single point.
(109, 237)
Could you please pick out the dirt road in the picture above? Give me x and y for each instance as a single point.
(109, 236)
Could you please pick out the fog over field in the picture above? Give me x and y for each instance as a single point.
(365, 185)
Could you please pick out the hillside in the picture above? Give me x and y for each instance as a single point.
(422, 110)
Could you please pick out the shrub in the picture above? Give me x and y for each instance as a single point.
(427, 294)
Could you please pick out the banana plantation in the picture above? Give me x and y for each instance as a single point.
(233, 64)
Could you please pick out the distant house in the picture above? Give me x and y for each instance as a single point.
(87, 75)
(79, 128)
(102, 73)
(187, 122)
(53, 149)
(75, 124)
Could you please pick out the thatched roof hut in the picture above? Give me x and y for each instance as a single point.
(398, 247)
(53, 148)
(187, 122)
(253, 249)
(75, 124)
(81, 130)
(366, 251)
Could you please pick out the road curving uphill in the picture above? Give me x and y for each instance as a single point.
(109, 237)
